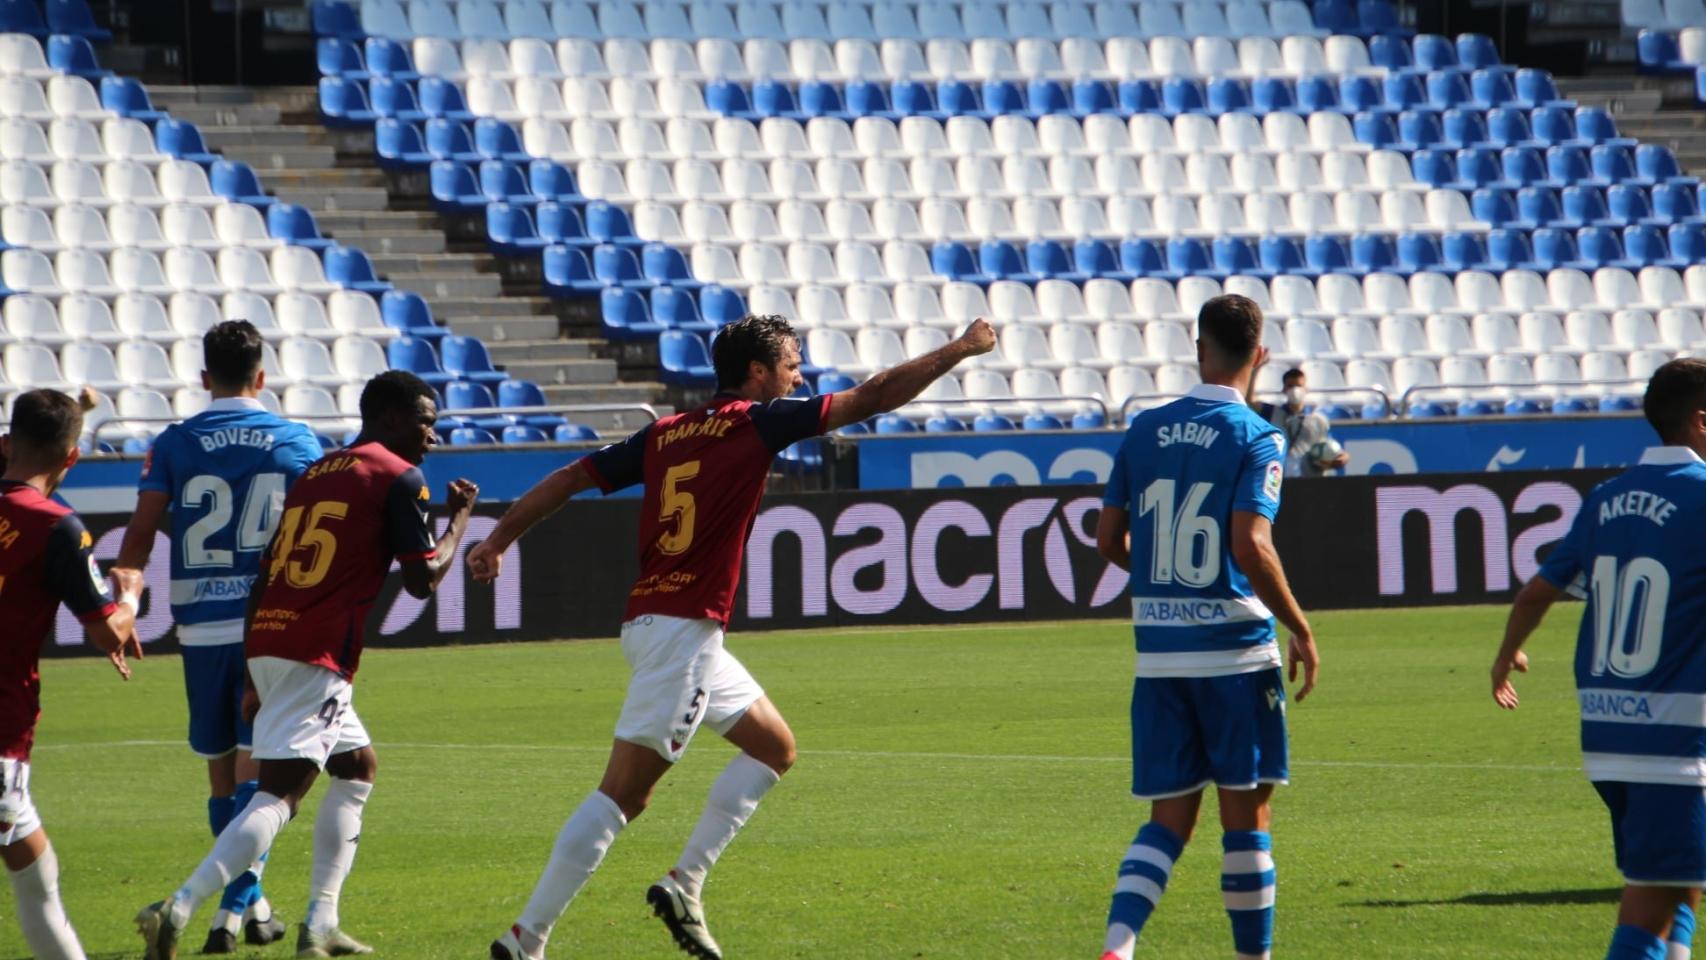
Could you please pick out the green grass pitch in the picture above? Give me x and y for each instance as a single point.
(961, 793)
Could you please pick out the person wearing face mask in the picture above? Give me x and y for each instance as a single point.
(1304, 429)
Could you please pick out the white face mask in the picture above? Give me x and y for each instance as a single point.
(1294, 395)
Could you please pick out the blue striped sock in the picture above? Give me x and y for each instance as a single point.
(1247, 886)
(1680, 943)
(1143, 876)
(1633, 943)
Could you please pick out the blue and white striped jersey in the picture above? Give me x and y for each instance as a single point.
(1634, 554)
(226, 471)
(1181, 472)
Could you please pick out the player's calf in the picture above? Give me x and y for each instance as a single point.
(1144, 872)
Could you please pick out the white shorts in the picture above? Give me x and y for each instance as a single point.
(682, 677)
(18, 817)
(306, 712)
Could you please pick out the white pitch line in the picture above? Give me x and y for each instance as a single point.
(879, 755)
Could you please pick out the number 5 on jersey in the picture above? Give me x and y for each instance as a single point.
(677, 506)
(293, 535)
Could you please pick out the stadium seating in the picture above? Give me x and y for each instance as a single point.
(125, 238)
(1086, 174)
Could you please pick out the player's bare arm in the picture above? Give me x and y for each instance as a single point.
(1253, 548)
(485, 559)
(1113, 536)
(422, 577)
(897, 386)
(116, 637)
(1527, 612)
(138, 543)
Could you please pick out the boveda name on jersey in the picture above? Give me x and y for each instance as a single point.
(236, 437)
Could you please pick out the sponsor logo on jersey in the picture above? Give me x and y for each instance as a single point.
(1271, 483)
(425, 494)
(1274, 701)
(95, 577)
(1600, 704)
(1183, 611)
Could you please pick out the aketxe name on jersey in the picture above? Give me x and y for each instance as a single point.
(225, 472)
(704, 472)
(1181, 472)
(1633, 554)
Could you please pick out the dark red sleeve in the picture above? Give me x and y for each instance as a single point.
(408, 528)
(783, 423)
(619, 464)
(71, 573)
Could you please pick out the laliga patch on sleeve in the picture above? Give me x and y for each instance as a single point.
(95, 577)
(1271, 483)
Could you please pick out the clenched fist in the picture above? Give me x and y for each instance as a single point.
(461, 494)
(980, 337)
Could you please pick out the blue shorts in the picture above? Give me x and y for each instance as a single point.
(1658, 831)
(213, 680)
(1189, 732)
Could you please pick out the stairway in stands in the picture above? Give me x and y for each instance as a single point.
(332, 173)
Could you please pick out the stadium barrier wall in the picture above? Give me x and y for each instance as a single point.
(958, 556)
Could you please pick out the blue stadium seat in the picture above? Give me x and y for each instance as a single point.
(1492, 88)
(1360, 92)
(343, 103)
(1447, 89)
(1182, 95)
(22, 16)
(821, 99)
(1464, 128)
(614, 264)
(522, 433)
(1655, 163)
(1049, 259)
(943, 424)
(1281, 254)
(340, 57)
(1536, 88)
(1583, 206)
(1139, 96)
(1509, 250)
(418, 357)
(467, 358)
(335, 18)
(1434, 53)
(1228, 95)
(497, 140)
(1527, 406)
(350, 268)
(1391, 52)
(295, 224)
(1555, 247)
(74, 18)
(1189, 256)
(1091, 96)
(447, 140)
(673, 307)
(1597, 125)
(1089, 418)
(1619, 403)
(1234, 256)
(1142, 257)
(1317, 93)
(236, 180)
(1510, 127)
(1423, 409)
(867, 98)
(1658, 51)
(1614, 164)
(728, 98)
(1378, 129)
(1405, 91)
(567, 272)
(182, 139)
(1629, 203)
(954, 260)
(395, 98)
(957, 98)
(1575, 404)
(454, 189)
(389, 58)
(773, 98)
(1038, 420)
(128, 98)
(1673, 202)
(721, 305)
(553, 181)
(913, 98)
(1569, 164)
(1524, 166)
(503, 182)
(1374, 253)
(891, 423)
(575, 433)
(625, 316)
(1496, 207)
(1002, 261)
(684, 361)
(662, 263)
(1481, 167)
(1647, 243)
(407, 311)
(1600, 246)
(1044, 96)
(1420, 127)
(1376, 17)
(1002, 97)
(1326, 253)
(561, 223)
(510, 230)
(1479, 407)
(990, 423)
(1098, 258)
(835, 382)
(1418, 252)
(461, 396)
(1336, 16)
(471, 437)
(609, 223)
(398, 145)
(1687, 243)
(1463, 250)
(1537, 207)
(75, 55)
(1553, 125)
(1476, 51)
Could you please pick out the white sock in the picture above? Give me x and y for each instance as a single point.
(1676, 951)
(580, 848)
(41, 915)
(226, 920)
(337, 830)
(733, 799)
(251, 832)
(260, 910)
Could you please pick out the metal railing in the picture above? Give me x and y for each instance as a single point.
(1404, 398)
(644, 409)
(1068, 398)
(1375, 390)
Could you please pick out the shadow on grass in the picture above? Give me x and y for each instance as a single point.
(1518, 898)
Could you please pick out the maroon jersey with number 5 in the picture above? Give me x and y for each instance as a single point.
(704, 472)
(45, 560)
(343, 522)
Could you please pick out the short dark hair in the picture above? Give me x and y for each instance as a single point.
(1676, 393)
(1295, 373)
(231, 353)
(1233, 324)
(393, 392)
(760, 337)
(45, 425)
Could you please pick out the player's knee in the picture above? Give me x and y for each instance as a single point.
(782, 756)
(360, 765)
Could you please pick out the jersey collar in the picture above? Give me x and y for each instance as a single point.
(235, 403)
(1215, 392)
(1669, 457)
